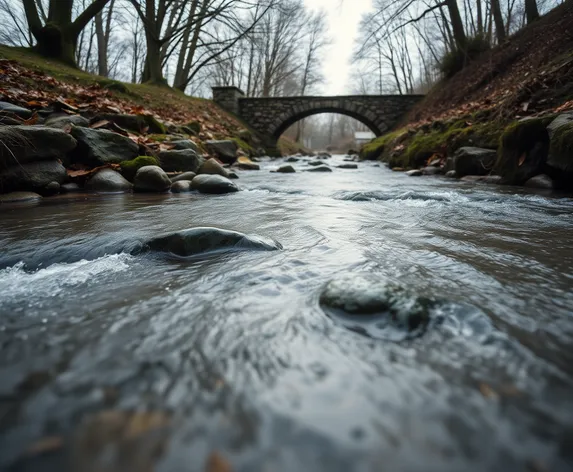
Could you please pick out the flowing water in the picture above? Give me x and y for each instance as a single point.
(236, 349)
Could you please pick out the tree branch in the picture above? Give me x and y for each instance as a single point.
(88, 15)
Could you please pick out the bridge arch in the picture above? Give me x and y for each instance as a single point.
(270, 117)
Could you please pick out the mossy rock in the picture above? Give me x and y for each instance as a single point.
(243, 146)
(560, 161)
(246, 136)
(523, 151)
(194, 126)
(155, 126)
(130, 168)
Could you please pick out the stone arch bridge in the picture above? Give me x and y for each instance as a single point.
(271, 117)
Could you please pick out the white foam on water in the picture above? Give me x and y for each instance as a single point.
(16, 282)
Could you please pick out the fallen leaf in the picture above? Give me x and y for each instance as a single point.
(217, 463)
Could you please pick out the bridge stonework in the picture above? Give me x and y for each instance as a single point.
(271, 117)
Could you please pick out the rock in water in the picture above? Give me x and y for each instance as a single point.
(151, 179)
(184, 176)
(215, 184)
(98, 147)
(108, 180)
(33, 176)
(320, 169)
(18, 197)
(387, 310)
(348, 166)
(474, 161)
(213, 167)
(181, 186)
(540, 181)
(183, 160)
(414, 173)
(201, 240)
(287, 169)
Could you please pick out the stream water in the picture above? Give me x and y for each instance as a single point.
(236, 349)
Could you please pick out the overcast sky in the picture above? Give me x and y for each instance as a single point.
(344, 18)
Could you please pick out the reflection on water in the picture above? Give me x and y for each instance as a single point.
(237, 349)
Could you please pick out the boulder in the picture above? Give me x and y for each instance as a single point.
(130, 168)
(451, 174)
(34, 176)
(348, 166)
(561, 120)
(540, 181)
(474, 161)
(53, 188)
(70, 187)
(136, 123)
(18, 197)
(183, 160)
(225, 151)
(108, 180)
(98, 147)
(431, 170)
(322, 168)
(247, 164)
(560, 160)
(61, 121)
(523, 152)
(183, 144)
(315, 163)
(397, 312)
(286, 169)
(181, 186)
(6, 107)
(151, 179)
(22, 144)
(215, 184)
(414, 173)
(184, 176)
(201, 240)
(213, 167)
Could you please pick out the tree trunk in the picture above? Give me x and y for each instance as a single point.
(498, 20)
(457, 24)
(101, 46)
(531, 10)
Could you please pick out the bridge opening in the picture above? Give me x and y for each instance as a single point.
(333, 132)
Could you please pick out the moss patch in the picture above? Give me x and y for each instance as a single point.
(130, 168)
(561, 148)
(243, 146)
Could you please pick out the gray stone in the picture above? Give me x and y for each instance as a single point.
(451, 174)
(60, 121)
(233, 175)
(183, 160)
(558, 122)
(540, 181)
(319, 169)
(97, 147)
(151, 179)
(414, 173)
(348, 166)
(201, 240)
(70, 187)
(370, 296)
(53, 188)
(22, 112)
(316, 163)
(184, 176)
(225, 151)
(183, 144)
(108, 180)
(32, 176)
(215, 184)
(18, 197)
(23, 144)
(213, 167)
(474, 161)
(245, 165)
(431, 170)
(181, 186)
(136, 123)
(292, 159)
(286, 169)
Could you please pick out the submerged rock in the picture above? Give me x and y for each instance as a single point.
(181, 186)
(151, 179)
(108, 180)
(348, 166)
(540, 181)
(451, 174)
(215, 184)
(321, 168)
(287, 169)
(292, 159)
(394, 312)
(17, 197)
(432, 170)
(316, 163)
(200, 240)
(414, 173)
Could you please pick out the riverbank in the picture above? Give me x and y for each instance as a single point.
(505, 118)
